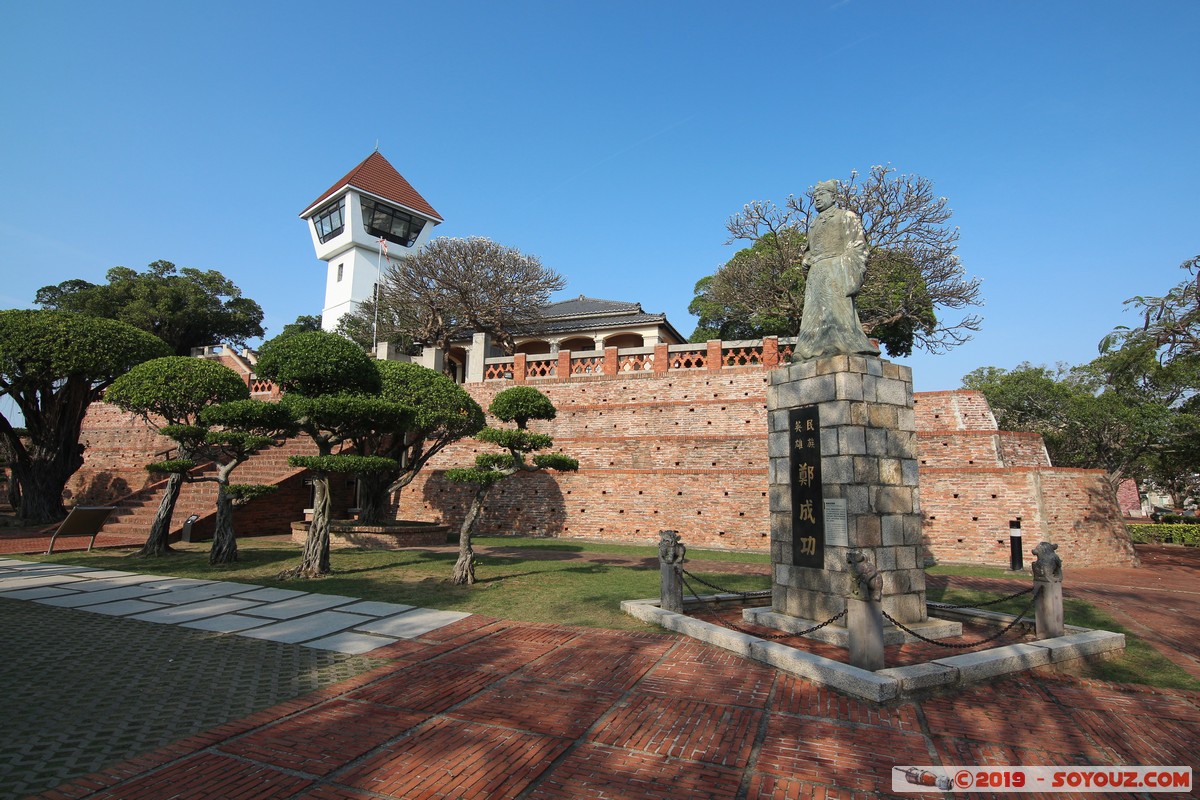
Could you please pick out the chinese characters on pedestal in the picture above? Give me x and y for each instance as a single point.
(808, 525)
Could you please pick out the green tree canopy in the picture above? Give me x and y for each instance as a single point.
(317, 363)
(304, 323)
(232, 432)
(54, 365)
(331, 390)
(172, 392)
(1087, 417)
(518, 404)
(185, 308)
(443, 412)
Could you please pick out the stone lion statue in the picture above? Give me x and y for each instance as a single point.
(1048, 565)
(670, 549)
(868, 583)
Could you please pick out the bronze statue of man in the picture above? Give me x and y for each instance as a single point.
(837, 264)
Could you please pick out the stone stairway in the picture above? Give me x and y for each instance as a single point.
(135, 513)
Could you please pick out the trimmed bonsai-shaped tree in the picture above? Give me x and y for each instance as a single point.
(172, 392)
(443, 413)
(518, 405)
(330, 387)
(228, 435)
(53, 365)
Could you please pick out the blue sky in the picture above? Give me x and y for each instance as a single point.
(611, 139)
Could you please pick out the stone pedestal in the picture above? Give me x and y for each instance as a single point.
(865, 624)
(1048, 609)
(868, 462)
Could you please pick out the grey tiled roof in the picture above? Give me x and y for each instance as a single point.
(589, 306)
(557, 325)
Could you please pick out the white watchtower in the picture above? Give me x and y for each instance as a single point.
(373, 210)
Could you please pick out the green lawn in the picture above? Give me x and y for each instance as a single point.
(533, 580)
(1140, 663)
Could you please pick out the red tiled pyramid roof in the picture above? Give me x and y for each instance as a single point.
(378, 177)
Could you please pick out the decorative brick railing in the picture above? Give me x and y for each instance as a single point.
(712, 356)
(261, 388)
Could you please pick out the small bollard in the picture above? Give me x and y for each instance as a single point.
(1047, 582)
(864, 613)
(671, 552)
(1015, 562)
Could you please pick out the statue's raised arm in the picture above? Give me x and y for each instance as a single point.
(837, 266)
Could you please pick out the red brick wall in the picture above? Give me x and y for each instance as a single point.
(117, 447)
(687, 450)
(957, 410)
(683, 451)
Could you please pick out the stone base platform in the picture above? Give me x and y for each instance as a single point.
(351, 533)
(887, 686)
(840, 636)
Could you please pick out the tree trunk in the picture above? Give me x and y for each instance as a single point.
(14, 493)
(157, 543)
(374, 501)
(224, 544)
(315, 563)
(40, 495)
(46, 457)
(464, 568)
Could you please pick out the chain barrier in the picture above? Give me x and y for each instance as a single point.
(740, 629)
(1013, 596)
(967, 645)
(943, 606)
(755, 594)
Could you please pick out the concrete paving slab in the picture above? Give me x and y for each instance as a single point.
(983, 664)
(181, 583)
(105, 573)
(38, 592)
(28, 582)
(1079, 645)
(351, 643)
(268, 595)
(920, 677)
(225, 623)
(303, 629)
(412, 624)
(208, 591)
(649, 611)
(373, 608)
(83, 599)
(299, 606)
(101, 584)
(41, 569)
(205, 608)
(122, 608)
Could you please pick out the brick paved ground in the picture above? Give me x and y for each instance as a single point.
(493, 709)
(83, 690)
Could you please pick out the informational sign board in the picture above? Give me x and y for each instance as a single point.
(837, 532)
(808, 517)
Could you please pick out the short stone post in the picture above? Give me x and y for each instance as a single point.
(864, 613)
(671, 552)
(1047, 585)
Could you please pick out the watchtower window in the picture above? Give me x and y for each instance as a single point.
(397, 226)
(330, 221)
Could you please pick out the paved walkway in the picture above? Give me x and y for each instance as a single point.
(486, 708)
(323, 621)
